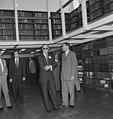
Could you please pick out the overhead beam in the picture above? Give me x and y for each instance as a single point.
(49, 22)
(84, 14)
(16, 19)
(104, 28)
(63, 20)
(66, 4)
(102, 21)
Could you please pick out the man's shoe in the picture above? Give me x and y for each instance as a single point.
(71, 106)
(1, 108)
(57, 109)
(63, 106)
(78, 91)
(49, 111)
(9, 107)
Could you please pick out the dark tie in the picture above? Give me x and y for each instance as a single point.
(65, 57)
(17, 61)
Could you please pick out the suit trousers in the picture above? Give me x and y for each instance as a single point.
(49, 93)
(4, 89)
(68, 89)
(17, 92)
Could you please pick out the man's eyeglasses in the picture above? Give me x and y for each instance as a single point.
(45, 48)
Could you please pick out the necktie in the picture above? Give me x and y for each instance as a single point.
(65, 57)
(16, 61)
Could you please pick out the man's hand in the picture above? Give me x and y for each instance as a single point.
(47, 67)
(24, 79)
(5, 73)
(72, 78)
(11, 80)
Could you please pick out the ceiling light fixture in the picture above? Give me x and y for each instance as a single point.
(32, 52)
(23, 50)
(37, 50)
(3, 49)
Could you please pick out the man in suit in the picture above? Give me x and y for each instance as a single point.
(32, 70)
(69, 74)
(56, 73)
(47, 64)
(3, 83)
(17, 72)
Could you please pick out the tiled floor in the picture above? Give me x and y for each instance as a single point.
(90, 104)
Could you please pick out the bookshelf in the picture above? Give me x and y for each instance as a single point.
(56, 24)
(96, 8)
(74, 16)
(77, 50)
(108, 6)
(67, 21)
(41, 29)
(7, 25)
(95, 62)
(33, 25)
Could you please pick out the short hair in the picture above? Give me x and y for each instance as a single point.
(67, 44)
(12, 54)
(44, 45)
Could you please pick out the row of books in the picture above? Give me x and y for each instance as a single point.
(25, 21)
(87, 60)
(109, 7)
(7, 32)
(102, 67)
(88, 74)
(6, 20)
(32, 14)
(6, 26)
(41, 21)
(25, 26)
(91, 2)
(31, 38)
(103, 83)
(26, 38)
(97, 6)
(7, 13)
(8, 37)
(57, 32)
(106, 2)
(26, 32)
(88, 67)
(42, 38)
(41, 26)
(41, 32)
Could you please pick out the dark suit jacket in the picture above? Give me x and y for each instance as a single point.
(56, 73)
(46, 75)
(17, 73)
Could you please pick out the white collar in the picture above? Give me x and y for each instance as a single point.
(44, 54)
(67, 52)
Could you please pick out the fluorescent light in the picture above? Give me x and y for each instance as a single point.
(3, 49)
(23, 50)
(37, 50)
(32, 52)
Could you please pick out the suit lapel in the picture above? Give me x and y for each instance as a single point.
(43, 56)
(66, 57)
